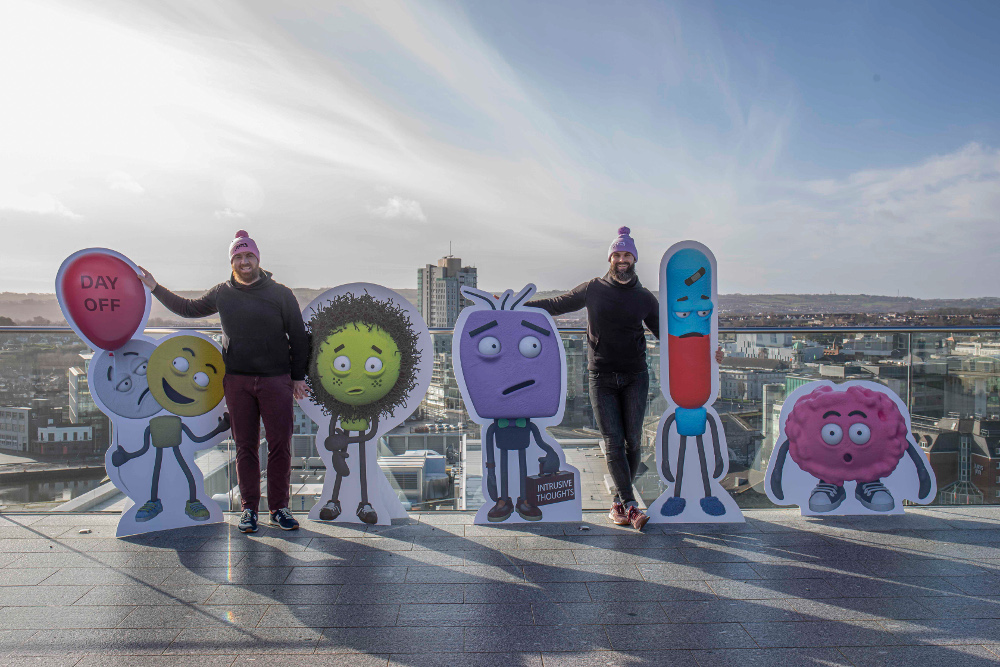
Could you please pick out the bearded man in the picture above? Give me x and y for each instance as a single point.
(266, 352)
(617, 308)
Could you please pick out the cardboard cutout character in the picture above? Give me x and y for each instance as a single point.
(853, 434)
(689, 379)
(370, 366)
(511, 369)
(133, 378)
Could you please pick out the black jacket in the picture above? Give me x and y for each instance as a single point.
(615, 315)
(263, 332)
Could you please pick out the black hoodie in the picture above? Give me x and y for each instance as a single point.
(263, 332)
(615, 315)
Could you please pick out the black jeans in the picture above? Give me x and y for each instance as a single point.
(619, 402)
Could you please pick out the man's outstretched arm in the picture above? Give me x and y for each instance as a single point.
(575, 299)
(203, 306)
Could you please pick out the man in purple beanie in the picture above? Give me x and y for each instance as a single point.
(266, 351)
(617, 307)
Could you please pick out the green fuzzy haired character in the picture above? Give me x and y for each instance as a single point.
(363, 366)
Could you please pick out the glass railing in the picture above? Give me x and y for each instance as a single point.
(53, 438)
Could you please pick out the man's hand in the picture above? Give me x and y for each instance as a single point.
(719, 356)
(147, 279)
(299, 389)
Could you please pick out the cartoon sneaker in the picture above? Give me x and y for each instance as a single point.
(826, 497)
(618, 515)
(196, 510)
(527, 511)
(712, 506)
(503, 509)
(149, 510)
(874, 496)
(367, 513)
(673, 506)
(330, 511)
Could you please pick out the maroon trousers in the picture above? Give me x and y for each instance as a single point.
(249, 399)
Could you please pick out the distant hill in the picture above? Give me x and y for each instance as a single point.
(24, 308)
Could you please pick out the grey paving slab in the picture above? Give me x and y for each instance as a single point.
(155, 661)
(981, 585)
(11, 640)
(682, 636)
(199, 576)
(526, 593)
(582, 572)
(146, 595)
(347, 575)
(293, 559)
(25, 576)
(105, 576)
(40, 661)
(522, 557)
(925, 656)
(597, 613)
(602, 591)
(332, 616)
(40, 596)
(821, 633)
(946, 631)
(193, 616)
(41, 618)
(401, 594)
(763, 589)
(536, 638)
(104, 641)
(864, 609)
(391, 640)
(206, 641)
(729, 611)
(406, 558)
(312, 660)
(786, 657)
(466, 660)
(703, 571)
(258, 542)
(962, 606)
(651, 658)
(274, 594)
(468, 614)
(465, 574)
(627, 556)
(895, 587)
(186, 559)
(59, 559)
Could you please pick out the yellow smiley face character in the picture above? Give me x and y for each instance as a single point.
(358, 364)
(185, 375)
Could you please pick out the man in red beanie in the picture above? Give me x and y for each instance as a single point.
(617, 307)
(266, 351)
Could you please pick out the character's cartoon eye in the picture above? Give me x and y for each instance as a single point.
(859, 433)
(704, 313)
(124, 385)
(201, 379)
(530, 347)
(181, 365)
(373, 365)
(683, 314)
(342, 363)
(141, 368)
(489, 345)
(832, 433)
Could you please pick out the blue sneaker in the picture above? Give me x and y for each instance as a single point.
(712, 506)
(248, 521)
(673, 506)
(149, 510)
(283, 519)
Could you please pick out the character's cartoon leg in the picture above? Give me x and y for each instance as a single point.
(826, 497)
(331, 510)
(711, 505)
(874, 496)
(525, 509)
(193, 507)
(504, 506)
(717, 446)
(665, 448)
(675, 504)
(923, 476)
(365, 511)
(153, 506)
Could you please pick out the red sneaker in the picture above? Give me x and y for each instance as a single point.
(618, 515)
(636, 517)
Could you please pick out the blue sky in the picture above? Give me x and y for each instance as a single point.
(816, 147)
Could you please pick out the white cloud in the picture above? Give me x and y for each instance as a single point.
(229, 213)
(397, 207)
(119, 180)
(40, 203)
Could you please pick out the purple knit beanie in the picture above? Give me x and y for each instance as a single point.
(243, 243)
(623, 243)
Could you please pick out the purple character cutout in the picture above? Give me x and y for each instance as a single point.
(511, 368)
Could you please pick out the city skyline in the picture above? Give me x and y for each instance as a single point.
(850, 148)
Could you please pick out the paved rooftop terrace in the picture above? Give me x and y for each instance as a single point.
(920, 589)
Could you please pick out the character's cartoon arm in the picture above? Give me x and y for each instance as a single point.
(120, 457)
(549, 463)
(365, 437)
(337, 438)
(665, 468)
(491, 475)
(717, 447)
(222, 427)
(923, 475)
(778, 461)
(575, 299)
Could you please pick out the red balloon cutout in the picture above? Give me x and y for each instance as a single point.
(104, 298)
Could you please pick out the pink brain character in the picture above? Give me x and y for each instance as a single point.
(857, 435)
